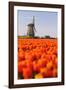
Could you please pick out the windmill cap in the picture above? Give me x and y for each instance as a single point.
(31, 24)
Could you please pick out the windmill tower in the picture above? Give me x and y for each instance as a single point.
(31, 28)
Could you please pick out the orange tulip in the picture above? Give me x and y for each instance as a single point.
(38, 76)
(20, 67)
(27, 73)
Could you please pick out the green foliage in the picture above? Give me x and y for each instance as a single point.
(47, 36)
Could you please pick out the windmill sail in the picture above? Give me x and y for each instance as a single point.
(34, 23)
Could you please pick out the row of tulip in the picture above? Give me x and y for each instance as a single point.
(37, 58)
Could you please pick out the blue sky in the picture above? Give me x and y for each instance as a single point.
(45, 22)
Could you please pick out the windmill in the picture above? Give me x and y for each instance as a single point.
(31, 28)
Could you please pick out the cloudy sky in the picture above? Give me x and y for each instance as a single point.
(45, 22)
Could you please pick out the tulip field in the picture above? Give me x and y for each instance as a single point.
(37, 58)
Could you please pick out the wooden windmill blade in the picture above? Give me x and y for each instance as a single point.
(35, 29)
(33, 20)
(34, 23)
